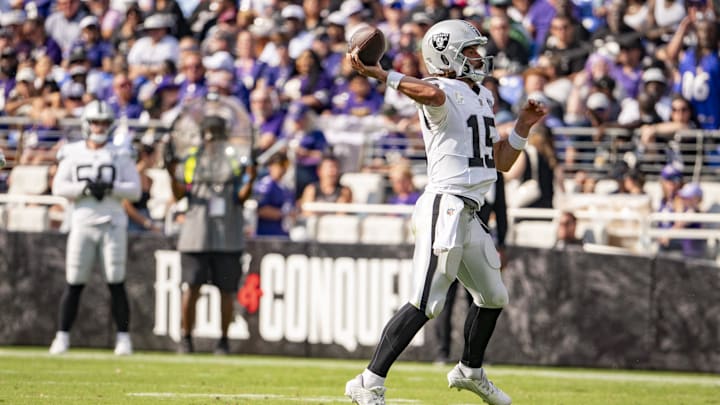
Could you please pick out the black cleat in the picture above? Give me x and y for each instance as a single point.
(223, 347)
(186, 345)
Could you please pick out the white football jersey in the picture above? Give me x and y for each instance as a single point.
(109, 164)
(459, 137)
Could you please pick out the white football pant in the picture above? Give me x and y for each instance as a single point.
(451, 242)
(104, 243)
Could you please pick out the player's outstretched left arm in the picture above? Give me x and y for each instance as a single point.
(419, 90)
(507, 150)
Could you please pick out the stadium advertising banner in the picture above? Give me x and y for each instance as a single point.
(293, 297)
(568, 308)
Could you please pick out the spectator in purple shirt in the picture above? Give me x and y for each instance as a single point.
(63, 25)
(308, 83)
(275, 200)
(13, 35)
(193, 85)
(360, 98)
(248, 68)
(123, 101)
(403, 188)
(627, 70)
(40, 43)
(308, 144)
(98, 51)
(689, 199)
(282, 67)
(536, 16)
(8, 69)
(266, 116)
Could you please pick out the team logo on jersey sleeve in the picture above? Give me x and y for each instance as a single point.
(440, 41)
(459, 99)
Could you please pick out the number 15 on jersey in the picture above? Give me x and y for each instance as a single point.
(479, 158)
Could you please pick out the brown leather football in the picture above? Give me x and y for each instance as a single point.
(370, 43)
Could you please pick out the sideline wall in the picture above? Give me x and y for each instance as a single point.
(566, 308)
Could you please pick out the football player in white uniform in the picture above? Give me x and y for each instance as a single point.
(96, 176)
(464, 152)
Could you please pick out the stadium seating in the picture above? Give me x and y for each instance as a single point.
(532, 233)
(367, 188)
(29, 180)
(28, 219)
(383, 230)
(332, 228)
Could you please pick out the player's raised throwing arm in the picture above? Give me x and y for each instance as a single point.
(421, 91)
(507, 150)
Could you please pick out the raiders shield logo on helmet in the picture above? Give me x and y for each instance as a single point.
(440, 41)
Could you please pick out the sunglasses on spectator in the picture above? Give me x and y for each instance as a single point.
(680, 109)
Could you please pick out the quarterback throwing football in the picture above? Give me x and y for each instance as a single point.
(464, 152)
(96, 176)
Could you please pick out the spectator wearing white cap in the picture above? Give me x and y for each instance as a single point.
(22, 96)
(64, 24)
(355, 13)
(73, 99)
(294, 25)
(262, 30)
(11, 23)
(149, 53)
(172, 9)
(654, 87)
(98, 51)
(220, 77)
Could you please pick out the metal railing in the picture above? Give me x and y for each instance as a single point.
(20, 133)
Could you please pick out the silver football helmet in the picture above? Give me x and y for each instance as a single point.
(442, 48)
(94, 111)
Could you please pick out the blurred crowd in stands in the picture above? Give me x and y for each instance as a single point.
(647, 69)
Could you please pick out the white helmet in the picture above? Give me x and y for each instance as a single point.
(442, 48)
(97, 110)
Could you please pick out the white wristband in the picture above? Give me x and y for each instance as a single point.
(517, 141)
(393, 79)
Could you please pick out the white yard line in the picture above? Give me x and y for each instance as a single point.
(615, 376)
(618, 376)
(257, 397)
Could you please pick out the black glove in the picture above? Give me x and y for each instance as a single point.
(97, 189)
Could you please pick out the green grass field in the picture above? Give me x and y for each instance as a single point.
(31, 376)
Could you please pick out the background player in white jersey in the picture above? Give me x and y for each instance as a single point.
(464, 152)
(96, 176)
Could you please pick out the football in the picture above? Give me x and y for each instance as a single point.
(370, 43)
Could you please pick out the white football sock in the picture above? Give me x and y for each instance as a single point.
(474, 373)
(371, 379)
